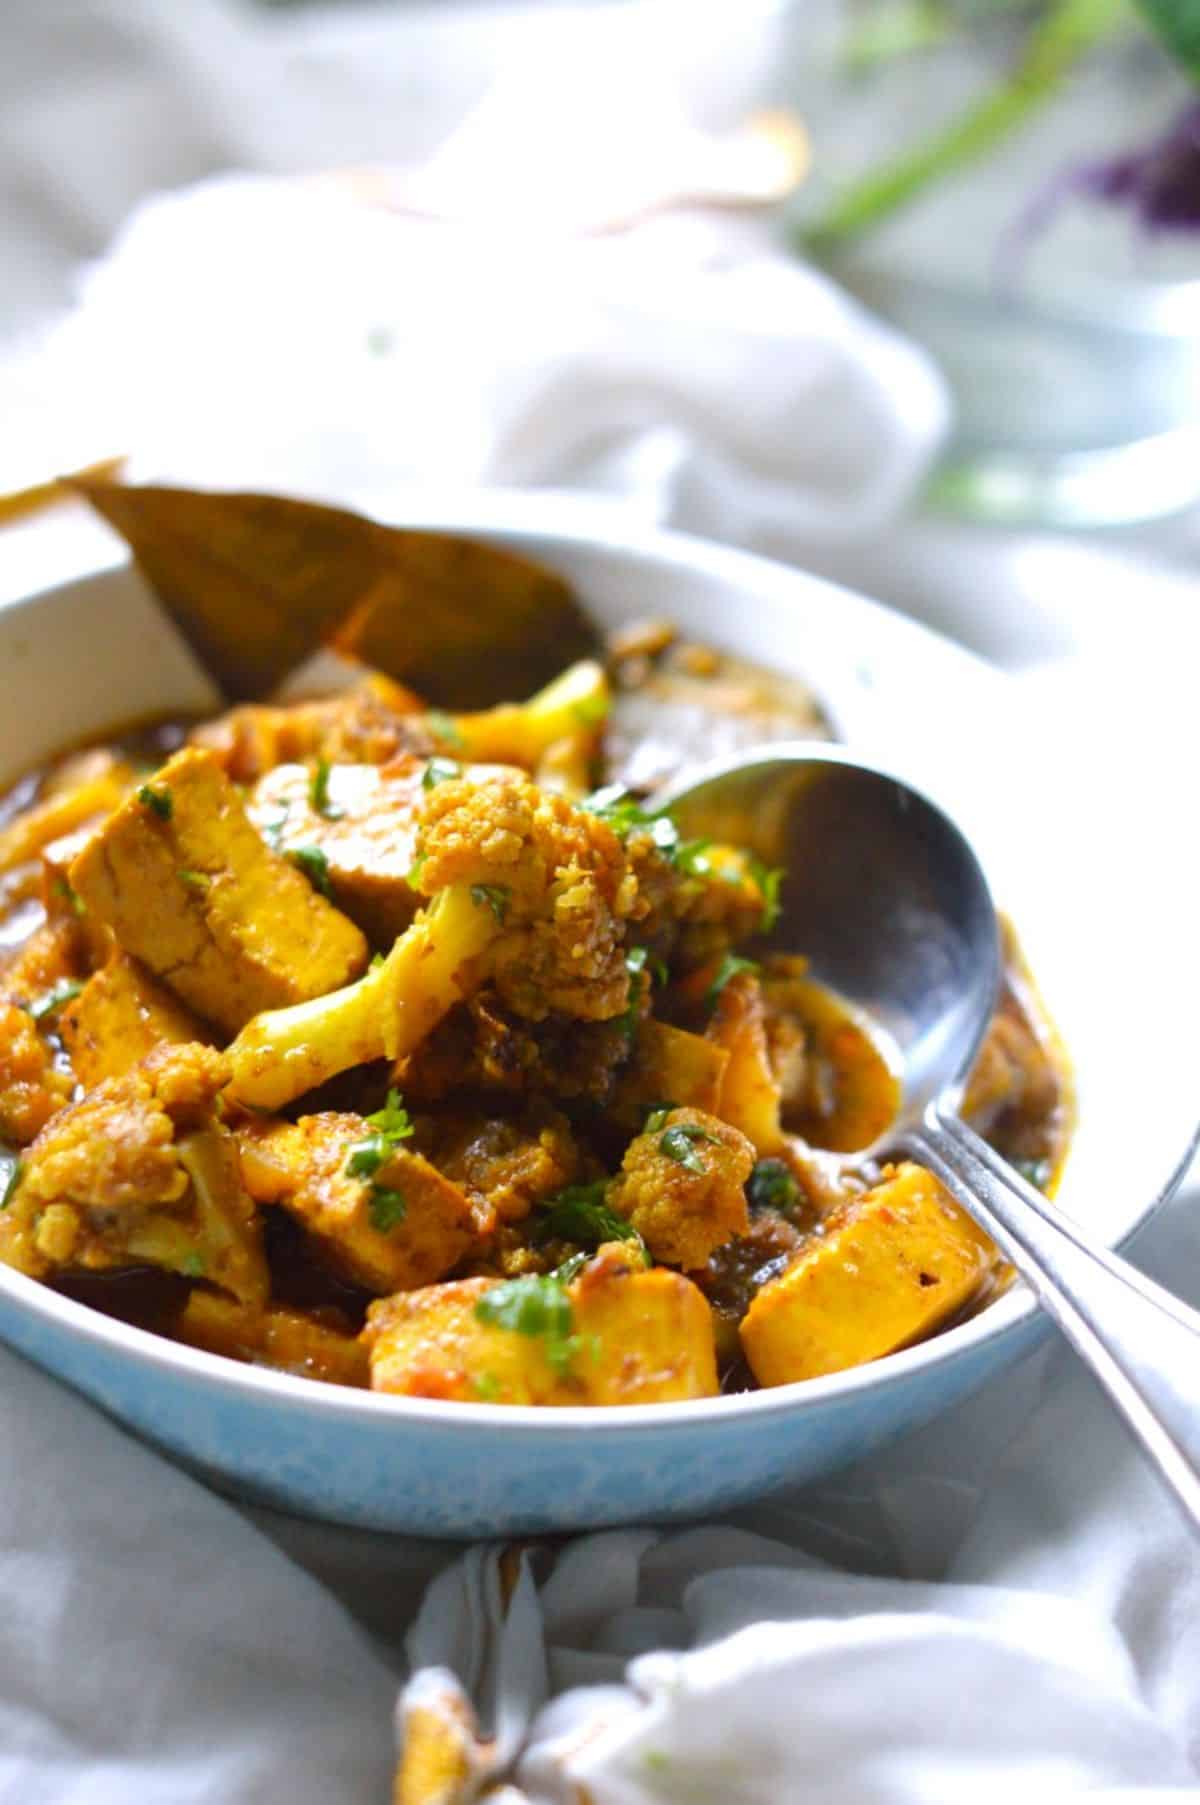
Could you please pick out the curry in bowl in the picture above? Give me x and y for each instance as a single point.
(414, 1050)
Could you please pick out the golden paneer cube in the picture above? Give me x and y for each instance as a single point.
(188, 887)
(121, 1014)
(888, 1269)
(616, 1334)
(400, 1226)
(366, 829)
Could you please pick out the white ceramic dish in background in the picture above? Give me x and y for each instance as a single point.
(94, 651)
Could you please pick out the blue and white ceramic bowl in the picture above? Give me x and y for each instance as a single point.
(90, 653)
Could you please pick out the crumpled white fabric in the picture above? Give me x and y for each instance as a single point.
(1044, 1633)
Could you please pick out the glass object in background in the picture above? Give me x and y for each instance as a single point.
(1073, 350)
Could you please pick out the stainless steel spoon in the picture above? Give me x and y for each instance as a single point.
(887, 899)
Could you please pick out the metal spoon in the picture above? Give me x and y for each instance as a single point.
(888, 901)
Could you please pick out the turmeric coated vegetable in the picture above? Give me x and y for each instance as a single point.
(285, 1052)
(886, 1270)
(614, 1334)
(408, 1048)
(187, 886)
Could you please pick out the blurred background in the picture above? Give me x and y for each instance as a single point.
(906, 290)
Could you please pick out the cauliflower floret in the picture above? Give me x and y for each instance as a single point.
(507, 1166)
(140, 1173)
(558, 880)
(32, 1088)
(680, 1186)
(699, 900)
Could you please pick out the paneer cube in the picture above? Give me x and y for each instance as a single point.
(384, 1247)
(121, 1014)
(631, 1336)
(887, 1270)
(187, 886)
(292, 1341)
(366, 830)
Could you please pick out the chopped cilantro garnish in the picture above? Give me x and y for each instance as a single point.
(386, 1208)
(73, 901)
(579, 1213)
(1036, 1172)
(194, 880)
(376, 962)
(729, 967)
(318, 792)
(678, 1144)
(769, 879)
(11, 1167)
(157, 800)
(63, 992)
(393, 1120)
(440, 770)
(193, 1266)
(389, 1125)
(414, 870)
(444, 728)
(495, 897)
(536, 1305)
(313, 863)
(635, 965)
(658, 1117)
(691, 857)
(772, 1186)
(487, 1387)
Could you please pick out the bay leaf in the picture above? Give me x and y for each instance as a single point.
(257, 583)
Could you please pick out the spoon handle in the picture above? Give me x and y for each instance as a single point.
(1141, 1343)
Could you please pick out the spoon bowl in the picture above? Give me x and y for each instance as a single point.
(882, 893)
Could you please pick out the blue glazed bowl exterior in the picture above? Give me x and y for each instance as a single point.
(430, 1470)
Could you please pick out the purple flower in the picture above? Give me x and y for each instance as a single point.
(1159, 183)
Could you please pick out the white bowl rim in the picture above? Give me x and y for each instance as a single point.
(587, 522)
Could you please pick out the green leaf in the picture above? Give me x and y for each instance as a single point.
(772, 1186)
(313, 863)
(272, 831)
(11, 1168)
(658, 1117)
(319, 792)
(492, 896)
(729, 967)
(487, 1387)
(63, 992)
(1066, 30)
(390, 1125)
(1177, 23)
(393, 1120)
(158, 801)
(440, 770)
(692, 858)
(579, 1213)
(591, 710)
(194, 880)
(536, 1305)
(193, 1266)
(769, 880)
(386, 1208)
(678, 1144)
